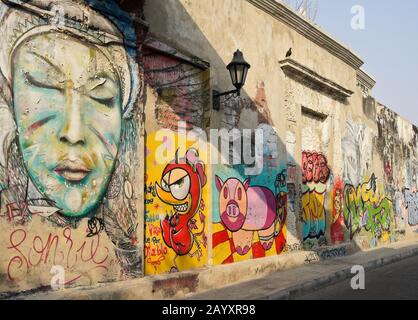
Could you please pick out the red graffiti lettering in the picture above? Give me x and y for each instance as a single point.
(154, 231)
(52, 249)
(155, 254)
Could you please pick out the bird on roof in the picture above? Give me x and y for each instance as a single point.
(289, 53)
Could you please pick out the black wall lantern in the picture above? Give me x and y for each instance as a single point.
(238, 69)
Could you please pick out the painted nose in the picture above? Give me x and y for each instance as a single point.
(72, 131)
(232, 210)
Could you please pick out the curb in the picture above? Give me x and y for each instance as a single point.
(186, 285)
(341, 275)
(181, 285)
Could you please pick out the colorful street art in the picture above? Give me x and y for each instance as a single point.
(177, 203)
(388, 142)
(396, 146)
(313, 203)
(177, 196)
(250, 212)
(337, 215)
(181, 187)
(69, 141)
(357, 152)
(251, 219)
(314, 168)
(315, 175)
(78, 93)
(365, 209)
(411, 205)
(181, 89)
(282, 193)
(245, 210)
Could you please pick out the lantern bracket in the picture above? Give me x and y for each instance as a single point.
(217, 94)
(216, 97)
(238, 69)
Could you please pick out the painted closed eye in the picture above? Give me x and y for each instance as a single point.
(103, 91)
(42, 82)
(181, 188)
(103, 95)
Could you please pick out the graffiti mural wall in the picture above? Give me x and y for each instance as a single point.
(366, 210)
(103, 176)
(357, 153)
(249, 216)
(176, 208)
(177, 187)
(337, 218)
(316, 172)
(250, 211)
(69, 138)
(411, 205)
(315, 175)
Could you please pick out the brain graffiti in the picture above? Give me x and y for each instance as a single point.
(314, 168)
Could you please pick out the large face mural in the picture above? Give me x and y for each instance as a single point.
(69, 86)
(68, 114)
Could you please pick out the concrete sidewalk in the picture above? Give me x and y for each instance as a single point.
(277, 277)
(289, 284)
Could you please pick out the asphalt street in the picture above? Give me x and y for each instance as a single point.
(397, 281)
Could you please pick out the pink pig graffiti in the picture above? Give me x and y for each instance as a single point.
(245, 210)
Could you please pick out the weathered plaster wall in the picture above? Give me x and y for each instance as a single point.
(330, 149)
(177, 202)
(94, 174)
(71, 163)
(270, 96)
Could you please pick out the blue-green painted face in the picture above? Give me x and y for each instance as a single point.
(67, 103)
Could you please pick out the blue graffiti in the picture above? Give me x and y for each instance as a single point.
(411, 204)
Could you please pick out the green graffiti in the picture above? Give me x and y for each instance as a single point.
(365, 209)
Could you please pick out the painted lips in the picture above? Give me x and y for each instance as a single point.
(73, 171)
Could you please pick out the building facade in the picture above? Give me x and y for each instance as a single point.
(116, 165)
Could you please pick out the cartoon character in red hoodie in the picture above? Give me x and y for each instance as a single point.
(181, 187)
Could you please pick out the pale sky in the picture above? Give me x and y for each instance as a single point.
(388, 45)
